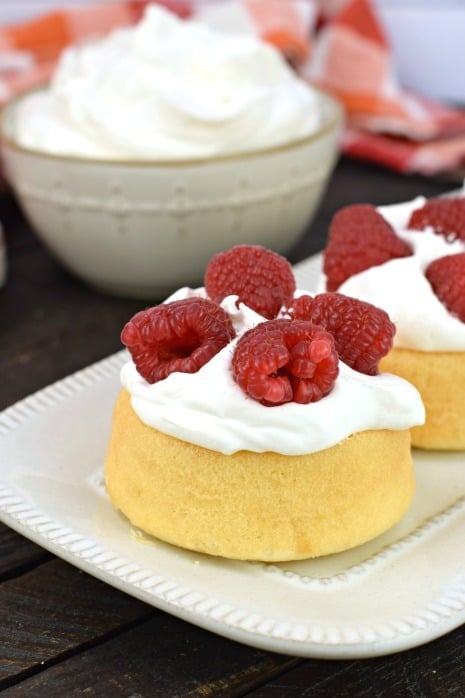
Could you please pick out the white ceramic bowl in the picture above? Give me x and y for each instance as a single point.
(143, 229)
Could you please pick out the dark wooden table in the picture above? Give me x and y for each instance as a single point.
(64, 633)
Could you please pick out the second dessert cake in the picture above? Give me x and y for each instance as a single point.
(409, 259)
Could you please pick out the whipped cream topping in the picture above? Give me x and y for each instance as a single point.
(169, 89)
(402, 290)
(209, 409)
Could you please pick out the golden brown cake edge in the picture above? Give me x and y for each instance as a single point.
(440, 379)
(257, 506)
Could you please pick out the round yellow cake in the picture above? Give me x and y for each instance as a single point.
(440, 379)
(257, 506)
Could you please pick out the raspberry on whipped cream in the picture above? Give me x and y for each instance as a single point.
(208, 408)
(400, 287)
(169, 89)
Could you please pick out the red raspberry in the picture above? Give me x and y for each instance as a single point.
(262, 279)
(363, 333)
(446, 216)
(284, 360)
(178, 336)
(359, 238)
(447, 277)
(300, 308)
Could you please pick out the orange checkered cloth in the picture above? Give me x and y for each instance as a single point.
(29, 50)
(385, 123)
(338, 45)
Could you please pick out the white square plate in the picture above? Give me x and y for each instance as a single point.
(401, 590)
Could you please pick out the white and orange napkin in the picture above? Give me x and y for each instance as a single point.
(385, 123)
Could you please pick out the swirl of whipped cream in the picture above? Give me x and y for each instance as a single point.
(209, 409)
(169, 89)
(401, 288)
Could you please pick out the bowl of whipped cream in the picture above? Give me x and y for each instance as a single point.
(163, 143)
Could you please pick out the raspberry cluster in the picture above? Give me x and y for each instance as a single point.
(292, 358)
(445, 216)
(360, 238)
